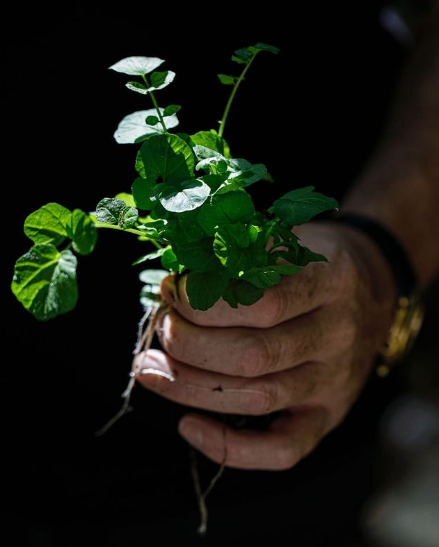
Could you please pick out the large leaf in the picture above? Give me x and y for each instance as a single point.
(82, 230)
(45, 281)
(133, 128)
(142, 190)
(204, 289)
(47, 224)
(137, 66)
(166, 157)
(184, 196)
(226, 209)
(299, 206)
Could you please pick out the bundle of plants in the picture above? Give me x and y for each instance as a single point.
(191, 204)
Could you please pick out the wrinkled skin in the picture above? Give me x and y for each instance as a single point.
(306, 349)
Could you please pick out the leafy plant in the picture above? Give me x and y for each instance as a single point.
(190, 201)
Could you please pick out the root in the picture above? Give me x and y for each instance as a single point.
(201, 497)
(143, 343)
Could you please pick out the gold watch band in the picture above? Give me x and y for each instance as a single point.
(407, 323)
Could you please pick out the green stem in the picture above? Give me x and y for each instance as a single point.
(154, 102)
(232, 96)
(131, 230)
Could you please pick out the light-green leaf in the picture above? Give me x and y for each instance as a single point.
(134, 129)
(137, 66)
(171, 110)
(47, 224)
(212, 141)
(82, 230)
(45, 281)
(150, 256)
(226, 80)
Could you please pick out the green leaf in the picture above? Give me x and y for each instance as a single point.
(196, 255)
(167, 157)
(137, 87)
(127, 198)
(204, 289)
(171, 109)
(269, 275)
(159, 80)
(170, 262)
(82, 230)
(150, 256)
(226, 80)
(142, 190)
(241, 292)
(299, 206)
(45, 281)
(137, 66)
(243, 54)
(47, 224)
(230, 244)
(267, 47)
(185, 196)
(128, 218)
(109, 210)
(152, 120)
(225, 209)
(211, 140)
(133, 128)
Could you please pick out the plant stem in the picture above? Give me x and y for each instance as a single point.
(154, 102)
(232, 96)
(132, 231)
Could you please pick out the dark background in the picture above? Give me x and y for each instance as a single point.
(312, 115)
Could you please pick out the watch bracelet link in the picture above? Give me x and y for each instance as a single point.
(409, 313)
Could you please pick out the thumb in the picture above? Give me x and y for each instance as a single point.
(168, 289)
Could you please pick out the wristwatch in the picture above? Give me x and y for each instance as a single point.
(409, 312)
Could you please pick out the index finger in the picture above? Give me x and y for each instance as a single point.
(294, 295)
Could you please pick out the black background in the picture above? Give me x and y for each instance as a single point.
(312, 115)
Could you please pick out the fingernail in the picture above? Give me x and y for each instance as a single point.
(191, 432)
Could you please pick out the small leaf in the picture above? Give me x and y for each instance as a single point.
(267, 276)
(150, 256)
(152, 120)
(127, 198)
(170, 262)
(128, 218)
(82, 230)
(185, 196)
(204, 289)
(133, 128)
(152, 277)
(159, 80)
(211, 140)
(267, 47)
(137, 66)
(47, 224)
(45, 281)
(137, 87)
(241, 292)
(171, 109)
(226, 80)
(299, 206)
(109, 210)
(243, 54)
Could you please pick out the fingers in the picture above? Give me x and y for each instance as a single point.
(286, 441)
(249, 352)
(231, 394)
(295, 294)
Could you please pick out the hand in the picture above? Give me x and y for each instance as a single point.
(306, 348)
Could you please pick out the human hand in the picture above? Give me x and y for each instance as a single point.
(306, 348)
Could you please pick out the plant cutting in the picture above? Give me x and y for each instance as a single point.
(190, 202)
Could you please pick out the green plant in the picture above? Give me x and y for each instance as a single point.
(190, 201)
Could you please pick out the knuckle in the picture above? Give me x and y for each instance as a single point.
(258, 402)
(275, 304)
(256, 356)
(171, 338)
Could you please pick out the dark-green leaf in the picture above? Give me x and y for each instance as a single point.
(226, 209)
(45, 281)
(301, 205)
(204, 289)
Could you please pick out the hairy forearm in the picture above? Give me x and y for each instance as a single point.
(400, 184)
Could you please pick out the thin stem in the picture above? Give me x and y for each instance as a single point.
(132, 231)
(232, 96)
(154, 102)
